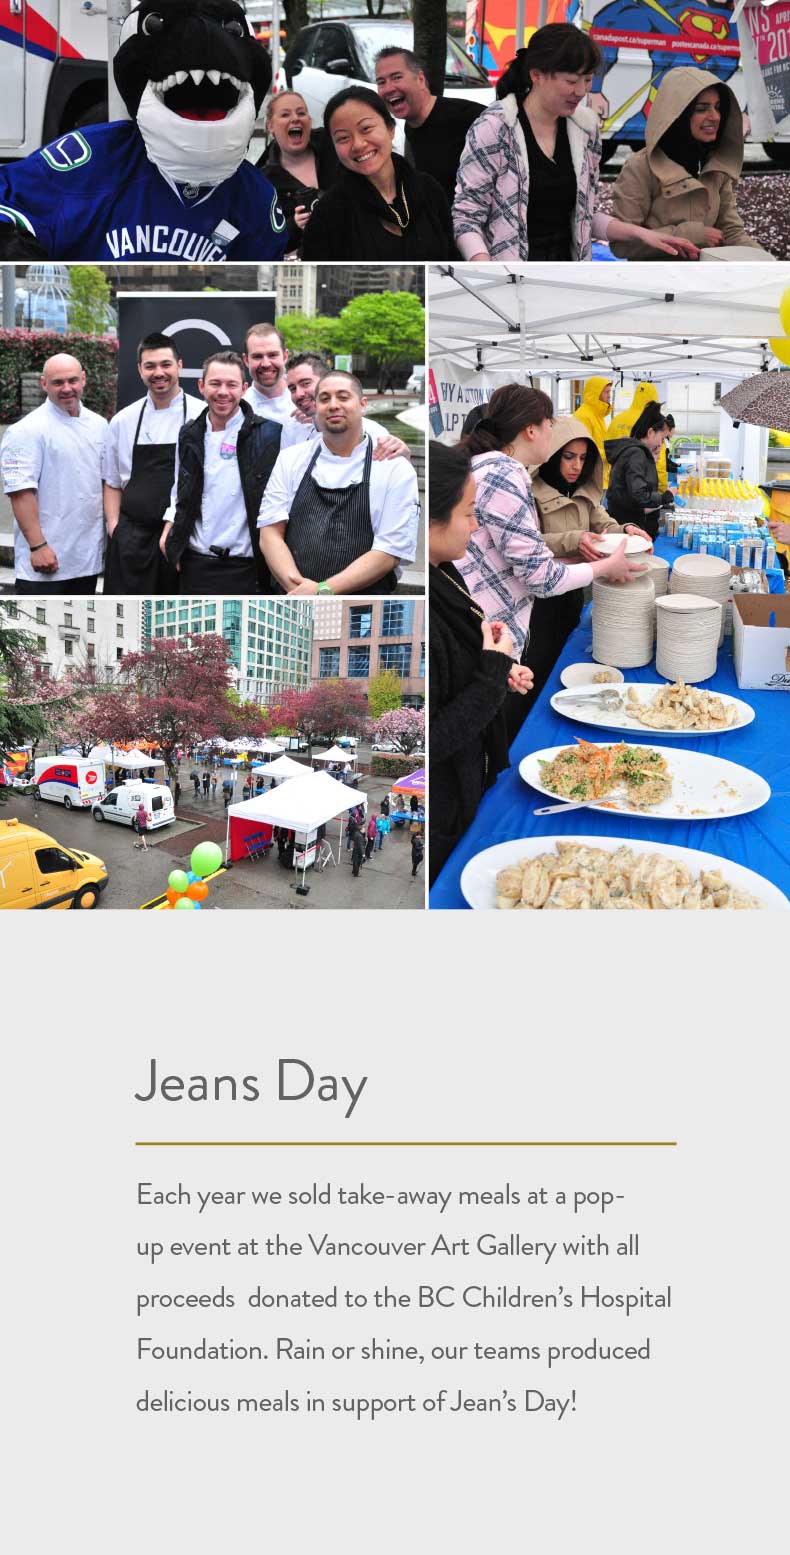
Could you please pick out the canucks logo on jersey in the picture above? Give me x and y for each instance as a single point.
(94, 195)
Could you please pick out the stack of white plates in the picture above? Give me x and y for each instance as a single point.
(706, 575)
(687, 637)
(658, 570)
(623, 621)
(635, 545)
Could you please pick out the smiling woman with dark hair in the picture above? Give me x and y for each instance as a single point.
(380, 208)
(683, 183)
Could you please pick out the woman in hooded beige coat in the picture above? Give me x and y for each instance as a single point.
(683, 182)
(567, 491)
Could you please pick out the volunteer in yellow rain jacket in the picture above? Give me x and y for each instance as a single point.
(596, 405)
(622, 424)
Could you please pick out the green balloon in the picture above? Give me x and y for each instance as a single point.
(177, 880)
(206, 858)
(184, 902)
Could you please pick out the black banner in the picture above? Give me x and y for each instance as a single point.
(199, 323)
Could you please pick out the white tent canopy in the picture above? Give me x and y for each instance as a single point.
(300, 806)
(494, 320)
(135, 760)
(336, 753)
(282, 768)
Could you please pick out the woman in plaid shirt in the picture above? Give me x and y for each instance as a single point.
(507, 562)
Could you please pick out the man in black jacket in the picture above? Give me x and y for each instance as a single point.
(225, 458)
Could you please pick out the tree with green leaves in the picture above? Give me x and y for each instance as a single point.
(90, 299)
(304, 333)
(384, 693)
(388, 327)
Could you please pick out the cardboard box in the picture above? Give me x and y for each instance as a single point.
(764, 589)
(761, 641)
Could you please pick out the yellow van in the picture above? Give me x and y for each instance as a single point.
(35, 871)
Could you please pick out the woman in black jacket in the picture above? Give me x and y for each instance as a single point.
(471, 665)
(380, 207)
(299, 162)
(633, 496)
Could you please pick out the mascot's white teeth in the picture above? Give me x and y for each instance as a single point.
(180, 76)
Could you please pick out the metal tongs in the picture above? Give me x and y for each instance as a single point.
(607, 700)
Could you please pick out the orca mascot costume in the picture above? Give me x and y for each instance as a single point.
(171, 183)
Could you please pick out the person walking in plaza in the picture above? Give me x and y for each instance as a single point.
(51, 464)
(177, 793)
(383, 825)
(225, 458)
(206, 784)
(227, 791)
(417, 851)
(332, 521)
(196, 784)
(384, 807)
(213, 785)
(370, 842)
(138, 469)
(141, 827)
(357, 850)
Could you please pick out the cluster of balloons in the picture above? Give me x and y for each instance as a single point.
(187, 888)
(781, 346)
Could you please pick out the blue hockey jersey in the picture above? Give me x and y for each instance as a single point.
(94, 195)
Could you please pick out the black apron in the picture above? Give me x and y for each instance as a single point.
(135, 564)
(330, 527)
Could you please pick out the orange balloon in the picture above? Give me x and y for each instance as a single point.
(198, 890)
(172, 896)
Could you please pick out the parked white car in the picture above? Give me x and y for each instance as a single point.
(328, 56)
(122, 804)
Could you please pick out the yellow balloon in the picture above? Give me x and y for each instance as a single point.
(784, 310)
(781, 346)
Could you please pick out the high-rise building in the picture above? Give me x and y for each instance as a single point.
(270, 640)
(295, 288)
(356, 641)
(73, 633)
(337, 284)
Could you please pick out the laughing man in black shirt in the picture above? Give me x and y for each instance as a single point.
(436, 127)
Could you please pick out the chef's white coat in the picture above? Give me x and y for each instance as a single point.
(278, 407)
(393, 496)
(60, 457)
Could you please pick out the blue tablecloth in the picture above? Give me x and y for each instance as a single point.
(760, 840)
(670, 550)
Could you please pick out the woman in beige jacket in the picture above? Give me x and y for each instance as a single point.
(567, 490)
(683, 182)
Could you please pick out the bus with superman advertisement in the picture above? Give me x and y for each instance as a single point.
(641, 40)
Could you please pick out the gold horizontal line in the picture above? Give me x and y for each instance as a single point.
(407, 1144)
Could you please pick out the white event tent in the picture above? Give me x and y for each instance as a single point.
(301, 806)
(648, 321)
(281, 769)
(348, 758)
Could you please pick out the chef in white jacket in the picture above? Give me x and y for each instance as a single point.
(265, 356)
(51, 464)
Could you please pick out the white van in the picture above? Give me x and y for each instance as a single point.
(122, 804)
(74, 782)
